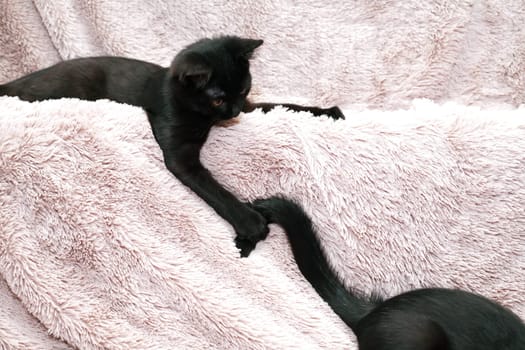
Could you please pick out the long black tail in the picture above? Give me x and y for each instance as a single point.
(311, 260)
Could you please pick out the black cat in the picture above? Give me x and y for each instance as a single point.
(207, 82)
(422, 319)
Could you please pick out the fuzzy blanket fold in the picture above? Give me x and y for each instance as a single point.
(102, 248)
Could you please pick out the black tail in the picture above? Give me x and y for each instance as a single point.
(311, 260)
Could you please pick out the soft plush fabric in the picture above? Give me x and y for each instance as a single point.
(108, 250)
(102, 248)
(373, 53)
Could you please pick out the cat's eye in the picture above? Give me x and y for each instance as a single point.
(217, 102)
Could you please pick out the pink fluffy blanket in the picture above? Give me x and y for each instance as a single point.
(102, 248)
(106, 249)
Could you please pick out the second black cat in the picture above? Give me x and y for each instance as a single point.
(422, 319)
(208, 81)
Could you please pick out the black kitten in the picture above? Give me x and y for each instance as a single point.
(208, 81)
(423, 319)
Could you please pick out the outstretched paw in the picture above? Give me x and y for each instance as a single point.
(245, 246)
(335, 113)
(254, 228)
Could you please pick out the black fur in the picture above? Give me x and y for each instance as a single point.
(208, 81)
(422, 319)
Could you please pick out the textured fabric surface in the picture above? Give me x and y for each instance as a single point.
(108, 250)
(102, 248)
(379, 54)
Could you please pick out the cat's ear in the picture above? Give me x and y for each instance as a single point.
(191, 69)
(247, 46)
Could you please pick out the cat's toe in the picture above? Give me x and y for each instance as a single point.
(245, 246)
(335, 113)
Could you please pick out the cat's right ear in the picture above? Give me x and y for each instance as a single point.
(247, 46)
(191, 69)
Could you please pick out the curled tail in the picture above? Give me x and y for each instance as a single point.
(311, 260)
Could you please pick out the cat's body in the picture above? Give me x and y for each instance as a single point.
(423, 319)
(119, 79)
(207, 82)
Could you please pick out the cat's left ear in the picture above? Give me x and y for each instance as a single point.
(247, 46)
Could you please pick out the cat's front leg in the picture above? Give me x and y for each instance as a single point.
(250, 226)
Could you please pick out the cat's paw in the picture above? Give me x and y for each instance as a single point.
(334, 113)
(245, 246)
(254, 228)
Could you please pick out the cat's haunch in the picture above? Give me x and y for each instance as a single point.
(422, 319)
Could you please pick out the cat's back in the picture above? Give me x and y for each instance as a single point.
(91, 78)
(469, 321)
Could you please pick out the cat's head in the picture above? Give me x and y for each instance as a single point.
(212, 77)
